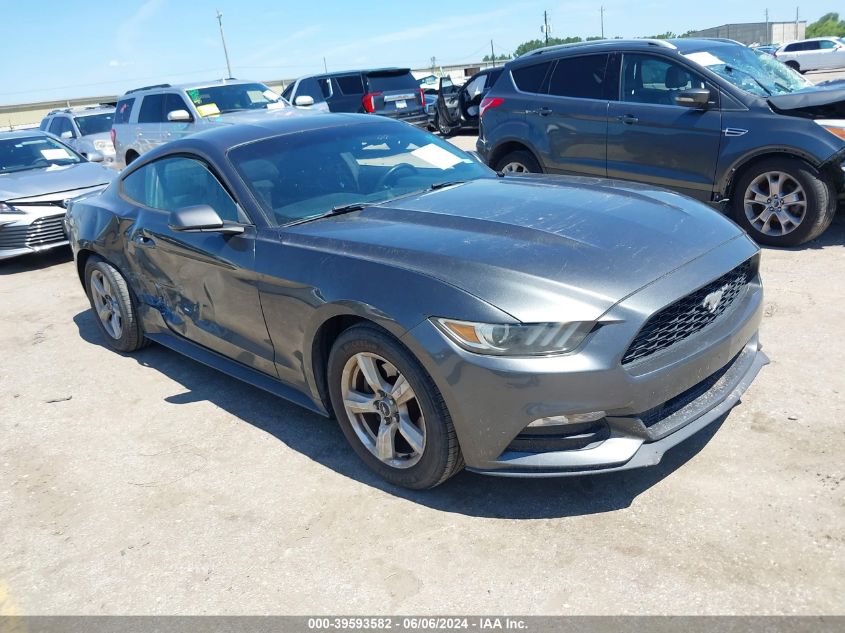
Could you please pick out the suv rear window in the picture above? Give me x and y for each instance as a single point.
(530, 78)
(124, 109)
(389, 82)
(581, 77)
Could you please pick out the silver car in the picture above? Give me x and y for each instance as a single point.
(38, 175)
(151, 116)
(86, 129)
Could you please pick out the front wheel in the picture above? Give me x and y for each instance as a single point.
(445, 130)
(783, 202)
(518, 162)
(390, 410)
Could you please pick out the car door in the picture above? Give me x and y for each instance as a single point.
(809, 55)
(829, 55)
(448, 102)
(572, 113)
(203, 283)
(173, 130)
(653, 140)
(148, 133)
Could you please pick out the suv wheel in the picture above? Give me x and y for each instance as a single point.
(390, 410)
(518, 162)
(783, 202)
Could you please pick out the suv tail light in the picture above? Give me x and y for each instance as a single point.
(113, 135)
(369, 101)
(422, 97)
(489, 102)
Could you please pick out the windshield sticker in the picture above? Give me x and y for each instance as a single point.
(704, 58)
(256, 96)
(437, 156)
(270, 95)
(209, 109)
(195, 96)
(56, 154)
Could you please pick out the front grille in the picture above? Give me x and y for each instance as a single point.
(42, 232)
(689, 315)
(670, 407)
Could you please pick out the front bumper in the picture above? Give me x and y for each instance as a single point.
(651, 405)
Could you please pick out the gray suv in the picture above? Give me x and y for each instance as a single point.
(86, 129)
(151, 116)
(711, 119)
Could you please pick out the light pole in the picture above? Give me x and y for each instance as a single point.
(602, 21)
(223, 39)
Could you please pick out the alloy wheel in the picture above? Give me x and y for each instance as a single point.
(383, 410)
(775, 203)
(106, 305)
(515, 168)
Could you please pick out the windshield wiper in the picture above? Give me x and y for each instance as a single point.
(447, 183)
(339, 210)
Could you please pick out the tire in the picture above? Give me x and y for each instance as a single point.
(794, 65)
(518, 162)
(109, 294)
(444, 130)
(440, 455)
(797, 181)
(130, 156)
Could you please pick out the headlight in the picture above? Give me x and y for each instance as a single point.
(834, 126)
(515, 339)
(6, 208)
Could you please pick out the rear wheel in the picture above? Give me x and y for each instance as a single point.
(130, 156)
(783, 202)
(114, 306)
(518, 162)
(442, 127)
(390, 410)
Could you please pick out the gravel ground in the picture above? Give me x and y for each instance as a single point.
(149, 484)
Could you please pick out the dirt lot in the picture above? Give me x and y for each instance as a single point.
(149, 484)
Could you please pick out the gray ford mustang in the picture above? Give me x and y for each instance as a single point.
(446, 316)
(38, 174)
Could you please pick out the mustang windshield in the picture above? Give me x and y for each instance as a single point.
(307, 174)
(32, 152)
(753, 71)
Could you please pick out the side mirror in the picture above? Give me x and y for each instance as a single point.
(94, 157)
(66, 134)
(201, 218)
(177, 116)
(693, 98)
(304, 101)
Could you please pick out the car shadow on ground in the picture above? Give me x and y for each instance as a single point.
(467, 493)
(35, 261)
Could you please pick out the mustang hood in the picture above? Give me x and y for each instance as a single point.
(44, 183)
(574, 245)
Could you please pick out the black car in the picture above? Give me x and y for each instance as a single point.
(711, 119)
(458, 107)
(389, 92)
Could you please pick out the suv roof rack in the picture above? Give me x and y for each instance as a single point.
(559, 47)
(148, 88)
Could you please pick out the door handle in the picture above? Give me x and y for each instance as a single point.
(627, 119)
(544, 111)
(143, 240)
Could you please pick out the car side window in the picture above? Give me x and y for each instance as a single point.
(476, 86)
(655, 80)
(827, 44)
(581, 77)
(286, 94)
(351, 84)
(325, 87)
(177, 182)
(123, 110)
(309, 87)
(44, 123)
(172, 102)
(60, 125)
(811, 46)
(152, 109)
(530, 78)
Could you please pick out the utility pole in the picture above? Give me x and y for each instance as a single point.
(325, 67)
(768, 37)
(223, 39)
(492, 53)
(545, 28)
(602, 21)
(433, 64)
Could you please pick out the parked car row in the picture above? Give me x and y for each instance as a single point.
(710, 119)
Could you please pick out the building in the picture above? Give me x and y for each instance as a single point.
(757, 32)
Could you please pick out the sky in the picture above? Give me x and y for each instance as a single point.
(78, 48)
